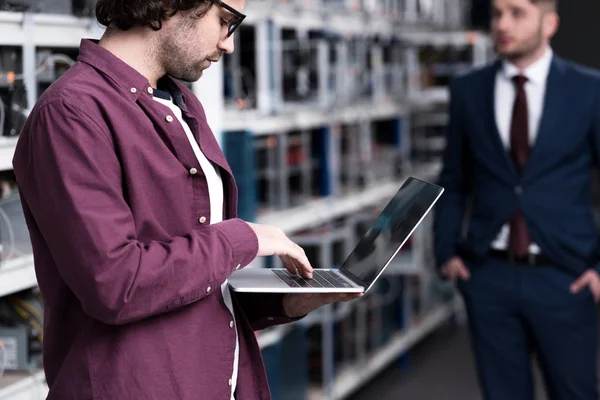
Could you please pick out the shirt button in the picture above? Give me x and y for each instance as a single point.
(231, 324)
(193, 171)
(150, 90)
(230, 382)
(169, 118)
(133, 90)
(208, 289)
(202, 220)
(518, 190)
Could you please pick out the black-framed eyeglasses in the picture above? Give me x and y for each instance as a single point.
(236, 22)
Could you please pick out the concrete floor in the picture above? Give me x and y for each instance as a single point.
(441, 367)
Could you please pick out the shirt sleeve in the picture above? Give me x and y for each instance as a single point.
(263, 310)
(69, 175)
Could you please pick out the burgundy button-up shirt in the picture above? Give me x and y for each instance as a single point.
(129, 271)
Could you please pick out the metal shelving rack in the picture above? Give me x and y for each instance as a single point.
(388, 33)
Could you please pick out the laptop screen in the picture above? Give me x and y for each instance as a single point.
(391, 229)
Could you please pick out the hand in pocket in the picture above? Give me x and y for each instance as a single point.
(590, 279)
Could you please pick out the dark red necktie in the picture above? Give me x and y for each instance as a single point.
(519, 149)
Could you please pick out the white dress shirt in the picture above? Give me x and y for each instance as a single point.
(505, 94)
(215, 194)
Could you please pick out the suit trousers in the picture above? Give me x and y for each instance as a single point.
(518, 312)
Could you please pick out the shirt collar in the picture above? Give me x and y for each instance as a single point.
(122, 74)
(536, 72)
(168, 90)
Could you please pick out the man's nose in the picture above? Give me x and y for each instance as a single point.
(227, 45)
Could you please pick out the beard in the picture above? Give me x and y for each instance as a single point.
(179, 56)
(524, 50)
(185, 65)
(184, 70)
(180, 62)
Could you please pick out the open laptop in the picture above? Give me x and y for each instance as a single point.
(370, 257)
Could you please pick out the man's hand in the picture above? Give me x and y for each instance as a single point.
(591, 279)
(299, 304)
(455, 268)
(272, 241)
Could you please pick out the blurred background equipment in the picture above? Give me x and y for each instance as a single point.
(21, 332)
(12, 91)
(322, 111)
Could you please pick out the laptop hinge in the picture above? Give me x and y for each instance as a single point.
(353, 278)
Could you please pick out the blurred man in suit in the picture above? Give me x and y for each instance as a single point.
(523, 139)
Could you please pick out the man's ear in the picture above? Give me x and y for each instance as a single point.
(550, 24)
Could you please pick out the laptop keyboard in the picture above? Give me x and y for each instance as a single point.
(321, 279)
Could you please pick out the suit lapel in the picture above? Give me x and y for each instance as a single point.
(490, 115)
(550, 113)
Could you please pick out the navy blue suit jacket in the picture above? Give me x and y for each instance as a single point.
(554, 191)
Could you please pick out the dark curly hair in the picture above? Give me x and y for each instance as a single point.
(125, 14)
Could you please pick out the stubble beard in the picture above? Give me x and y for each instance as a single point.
(527, 50)
(178, 57)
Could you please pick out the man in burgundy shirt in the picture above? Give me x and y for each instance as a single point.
(131, 207)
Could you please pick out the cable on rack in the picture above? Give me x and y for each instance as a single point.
(47, 62)
(29, 314)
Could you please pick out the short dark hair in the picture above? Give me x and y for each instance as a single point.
(125, 14)
(552, 3)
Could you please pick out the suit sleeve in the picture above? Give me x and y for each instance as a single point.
(70, 176)
(450, 210)
(596, 141)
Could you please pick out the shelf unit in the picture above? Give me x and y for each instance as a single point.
(323, 210)
(23, 386)
(7, 150)
(352, 378)
(348, 378)
(387, 34)
(326, 209)
(307, 118)
(16, 275)
(45, 30)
